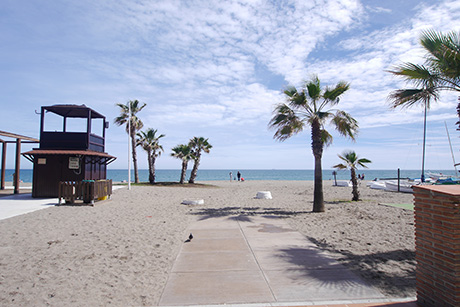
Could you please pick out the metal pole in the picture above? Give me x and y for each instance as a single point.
(451, 151)
(399, 176)
(129, 146)
(422, 177)
(18, 166)
(2, 175)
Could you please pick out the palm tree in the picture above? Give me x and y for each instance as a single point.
(183, 152)
(352, 162)
(197, 145)
(149, 141)
(136, 125)
(440, 72)
(310, 107)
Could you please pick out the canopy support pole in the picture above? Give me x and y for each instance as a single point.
(2, 184)
(18, 166)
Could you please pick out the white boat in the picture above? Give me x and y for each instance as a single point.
(342, 183)
(437, 176)
(377, 185)
(404, 186)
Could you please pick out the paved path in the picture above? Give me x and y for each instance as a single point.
(18, 204)
(243, 260)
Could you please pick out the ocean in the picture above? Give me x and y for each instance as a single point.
(167, 175)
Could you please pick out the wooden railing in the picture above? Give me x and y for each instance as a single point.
(87, 190)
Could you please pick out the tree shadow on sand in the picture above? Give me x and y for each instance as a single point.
(392, 271)
(239, 213)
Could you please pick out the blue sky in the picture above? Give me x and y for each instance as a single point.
(217, 68)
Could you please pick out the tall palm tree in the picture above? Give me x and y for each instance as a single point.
(351, 162)
(136, 125)
(310, 107)
(197, 144)
(150, 142)
(440, 72)
(183, 152)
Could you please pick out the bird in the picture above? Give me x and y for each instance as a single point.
(190, 237)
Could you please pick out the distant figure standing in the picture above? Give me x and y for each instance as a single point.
(231, 176)
(238, 175)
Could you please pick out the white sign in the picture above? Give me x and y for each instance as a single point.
(74, 163)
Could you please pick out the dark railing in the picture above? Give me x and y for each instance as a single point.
(71, 140)
(64, 140)
(87, 190)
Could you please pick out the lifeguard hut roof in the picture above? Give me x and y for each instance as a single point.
(72, 110)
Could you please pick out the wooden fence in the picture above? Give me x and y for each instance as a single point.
(87, 190)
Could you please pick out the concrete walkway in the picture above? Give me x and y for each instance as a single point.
(18, 204)
(247, 260)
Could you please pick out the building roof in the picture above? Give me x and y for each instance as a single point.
(73, 110)
(90, 153)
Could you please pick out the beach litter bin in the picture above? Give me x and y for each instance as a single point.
(87, 191)
(264, 195)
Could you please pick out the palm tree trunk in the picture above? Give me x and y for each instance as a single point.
(184, 171)
(317, 148)
(152, 171)
(194, 170)
(133, 143)
(354, 181)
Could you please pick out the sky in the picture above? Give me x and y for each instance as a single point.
(217, 69)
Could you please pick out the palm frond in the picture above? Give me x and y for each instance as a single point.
(409, 97)
(443, 53)
(333, 95)
(419, 75)
(313, 88)
(345, 124)
(326, 138)
(290, 91)
(362, 161)
(340, 166)
(286, 122)
(182, 152)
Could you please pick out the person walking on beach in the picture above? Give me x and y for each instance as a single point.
(238, 175)
(231, 176)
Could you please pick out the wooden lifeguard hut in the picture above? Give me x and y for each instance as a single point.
(67, 153)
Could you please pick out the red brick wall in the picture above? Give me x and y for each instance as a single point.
(437, 243)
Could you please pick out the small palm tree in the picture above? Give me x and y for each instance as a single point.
(351, 162)
(136, 125)
(309, 107)
(183, 152)
(197, 145)
(149, 141)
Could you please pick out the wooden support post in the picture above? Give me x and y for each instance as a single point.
(2, 184)
(18, 166)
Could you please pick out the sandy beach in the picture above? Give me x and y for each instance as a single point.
(120, 251)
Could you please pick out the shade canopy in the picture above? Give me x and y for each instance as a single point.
(105, 158)
(17, 136)
(72, 110)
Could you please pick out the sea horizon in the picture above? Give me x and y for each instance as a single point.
(173, 175)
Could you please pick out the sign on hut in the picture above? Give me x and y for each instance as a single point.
(72, 149)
